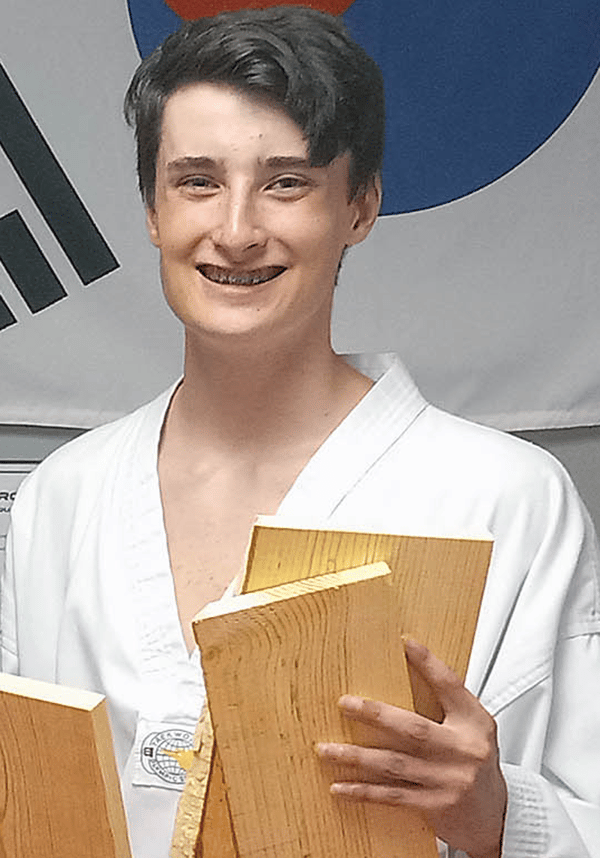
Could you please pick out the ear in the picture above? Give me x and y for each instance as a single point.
(366, 204)
(152, 226)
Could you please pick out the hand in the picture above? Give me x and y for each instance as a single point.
(449, 772)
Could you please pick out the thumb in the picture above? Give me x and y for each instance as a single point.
(446, 684)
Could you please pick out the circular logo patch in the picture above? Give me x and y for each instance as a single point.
(167, 754)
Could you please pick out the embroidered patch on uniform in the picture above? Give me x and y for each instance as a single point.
(167, 754)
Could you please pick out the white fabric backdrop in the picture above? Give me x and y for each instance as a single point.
(493, 300)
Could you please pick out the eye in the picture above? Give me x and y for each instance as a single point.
(198, 184)
(289, 185)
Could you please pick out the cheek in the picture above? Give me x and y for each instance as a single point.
(179, 233)
(325, 242)
(176, 223)
(313, 227)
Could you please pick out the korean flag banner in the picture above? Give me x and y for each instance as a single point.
(482, 272)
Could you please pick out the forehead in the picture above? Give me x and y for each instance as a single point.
(220, 120)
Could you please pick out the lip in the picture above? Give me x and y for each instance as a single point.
(240, 276)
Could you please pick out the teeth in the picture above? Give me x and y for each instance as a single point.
(226, 277)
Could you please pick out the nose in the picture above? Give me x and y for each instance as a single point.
(239, 228)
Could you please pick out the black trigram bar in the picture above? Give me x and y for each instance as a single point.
(27, 266)
(6, 317)
(50, 188)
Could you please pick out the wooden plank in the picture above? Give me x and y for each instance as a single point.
(59, 789)
(439, 583)
(204, 806)
(275, 663)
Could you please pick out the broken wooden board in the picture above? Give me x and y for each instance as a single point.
(60, 795)
(439, 583)
(204, 805)
(275, 663)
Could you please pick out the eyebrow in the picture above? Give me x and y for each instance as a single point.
(203, 162)
(287, 162)
(189, 162)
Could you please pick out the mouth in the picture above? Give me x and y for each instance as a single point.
(236, 277)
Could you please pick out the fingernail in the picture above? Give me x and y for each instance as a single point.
(348, 790)
(360, 708)
(329, 750)
(414, 648)
(351, 704)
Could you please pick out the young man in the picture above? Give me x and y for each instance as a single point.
(259, 146)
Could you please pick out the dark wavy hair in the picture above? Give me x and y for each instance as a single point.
(302, 60)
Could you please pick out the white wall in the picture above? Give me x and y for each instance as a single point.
(579, 451)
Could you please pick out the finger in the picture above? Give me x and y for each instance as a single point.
(397, 729)
(377, 765)
(453, 696)
(406, 795)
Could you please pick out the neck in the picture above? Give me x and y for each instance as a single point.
(260, 400)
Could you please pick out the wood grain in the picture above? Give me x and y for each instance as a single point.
(438, 585)
(59, 789)
(275, 663)
(437, 581)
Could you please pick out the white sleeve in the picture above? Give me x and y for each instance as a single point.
(543, 688)
(556, 813)
(9, 661)
(554, 806)
(554, 801)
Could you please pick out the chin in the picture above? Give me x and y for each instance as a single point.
(230, 327)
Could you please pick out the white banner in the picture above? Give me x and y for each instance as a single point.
(491, 299)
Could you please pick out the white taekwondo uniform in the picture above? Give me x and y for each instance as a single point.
(88, 597)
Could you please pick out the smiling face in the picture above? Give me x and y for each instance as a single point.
(250, 234)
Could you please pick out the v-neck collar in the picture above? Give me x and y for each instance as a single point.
(385, 412)
(361, 439)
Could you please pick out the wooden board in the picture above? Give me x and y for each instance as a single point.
(275, 663)
(438, 581)
(59, 789)
(204, 805)
(438, 585)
